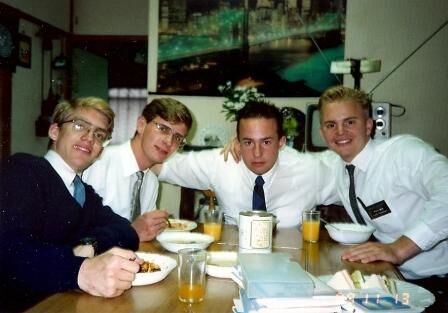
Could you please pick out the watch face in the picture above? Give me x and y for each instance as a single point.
(6, 43)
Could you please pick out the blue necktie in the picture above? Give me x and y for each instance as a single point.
(352, 194)
(80, 192)
(258, 201)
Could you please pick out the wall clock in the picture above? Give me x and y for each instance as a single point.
(8, 42)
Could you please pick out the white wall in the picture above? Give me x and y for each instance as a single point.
(53, 12)
(27, 90)
(390, 31)
(111, 17)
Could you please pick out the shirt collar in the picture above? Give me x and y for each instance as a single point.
(128, 160)
(362, 160)
(66, 173)
(267, 177)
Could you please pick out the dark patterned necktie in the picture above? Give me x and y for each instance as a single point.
(80, 192)
(352, 195)
(135, 202)
(258, 201)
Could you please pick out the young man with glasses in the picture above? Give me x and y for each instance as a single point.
(121, 174)
(47, 216)
(291, 181)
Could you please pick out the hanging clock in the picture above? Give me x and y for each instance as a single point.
(8, 42)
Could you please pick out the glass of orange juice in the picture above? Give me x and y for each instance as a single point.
(191, 275)
(310, 225)
(213, 223)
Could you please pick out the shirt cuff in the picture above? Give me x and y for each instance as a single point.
(422, 235)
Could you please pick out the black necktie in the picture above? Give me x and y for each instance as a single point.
(135, 202)
(352, 195)
(80, 192)
(258, 202)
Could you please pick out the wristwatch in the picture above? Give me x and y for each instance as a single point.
(90, 241)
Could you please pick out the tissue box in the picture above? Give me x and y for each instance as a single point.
(274, 276)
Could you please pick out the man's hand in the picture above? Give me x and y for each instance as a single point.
(233, 147)
(396, 252)
(150, 224)
(109, 274)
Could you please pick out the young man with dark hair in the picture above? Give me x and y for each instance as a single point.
(291, 181)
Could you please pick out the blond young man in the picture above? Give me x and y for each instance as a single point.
(45, 223)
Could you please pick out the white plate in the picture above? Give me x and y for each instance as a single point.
(181, 225)
(166, 264)
(417, 296)
(221, 263)
(174, 241)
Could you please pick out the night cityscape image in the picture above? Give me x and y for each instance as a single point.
(285, 46)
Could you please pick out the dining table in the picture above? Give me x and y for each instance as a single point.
(320, 258)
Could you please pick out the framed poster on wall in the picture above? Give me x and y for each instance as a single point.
(285, 46)
(24, 55)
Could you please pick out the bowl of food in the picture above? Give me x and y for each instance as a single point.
(155, 267)
(175, 241)
(180, 225)
(349, 233)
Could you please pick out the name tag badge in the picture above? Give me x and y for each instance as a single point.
(378, 209)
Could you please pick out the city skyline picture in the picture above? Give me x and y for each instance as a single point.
(283, 47)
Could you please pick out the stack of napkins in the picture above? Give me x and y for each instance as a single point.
(272, 283)
(372, 293)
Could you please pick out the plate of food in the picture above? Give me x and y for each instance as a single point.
(154, 268)
(175, 241)
(221, 263)
(177, 225)
(357, 284)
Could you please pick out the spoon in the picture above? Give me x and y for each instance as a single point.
(329, 224)
(169, 223)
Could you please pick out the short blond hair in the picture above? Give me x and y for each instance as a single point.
(64, 109)
(338, 93)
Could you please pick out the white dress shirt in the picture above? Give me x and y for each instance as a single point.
(63, 169)
(113, 176)
(296, 182)
(412, 178)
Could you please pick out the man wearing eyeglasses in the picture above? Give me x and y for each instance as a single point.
(52, 224)
(121, 174)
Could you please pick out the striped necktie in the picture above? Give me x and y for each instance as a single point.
(80, 192)
(352, 195)
(258, 201)
(135, 202)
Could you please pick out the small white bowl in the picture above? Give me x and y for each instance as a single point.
(349, 233)
(174, 241)
(221, 263)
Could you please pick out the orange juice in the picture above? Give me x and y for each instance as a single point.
(191, 293)
(310, 230)
(213, 229)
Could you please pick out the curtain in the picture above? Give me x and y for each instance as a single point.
(127, 104)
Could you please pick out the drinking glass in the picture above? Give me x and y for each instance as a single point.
(213, 223)
(191, 275)
(310, 225)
